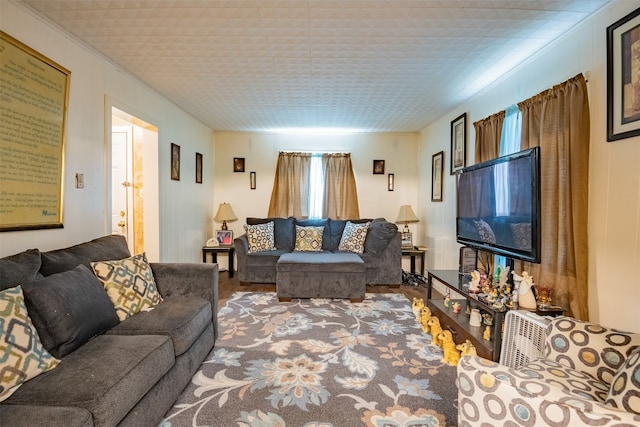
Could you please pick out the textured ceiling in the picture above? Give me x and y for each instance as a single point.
(369, 65)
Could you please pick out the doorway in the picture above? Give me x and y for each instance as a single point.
(134, 185)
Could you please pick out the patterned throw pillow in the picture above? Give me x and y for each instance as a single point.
(22, 355)
(129, 283)
(309, 238)
(625, 387)
(260, 237)
(353, 237)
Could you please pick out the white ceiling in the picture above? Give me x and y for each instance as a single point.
(369, 65)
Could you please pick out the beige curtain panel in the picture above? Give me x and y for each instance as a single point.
(290, 195)
(340, 193)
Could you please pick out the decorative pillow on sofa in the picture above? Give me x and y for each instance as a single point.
(625, 387)
(22, 355)
(353, 237)
(19, 268)
(68, 309)
(129, 283)
(260, 237)
(309, 238)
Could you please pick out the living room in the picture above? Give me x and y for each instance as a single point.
(186, 209)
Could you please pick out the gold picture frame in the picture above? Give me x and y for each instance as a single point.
(34, 137)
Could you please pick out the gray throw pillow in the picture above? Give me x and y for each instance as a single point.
(107, 248)
(19, 268)
(379, 236)
(68, 309)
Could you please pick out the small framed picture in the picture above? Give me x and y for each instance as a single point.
(458, 143)
(407, 240)
(623, 77)
(175, 162)
(468, 260)
(224, 237)
(198, 168)
(238, 164)
(252, 180)
(437, 176)
(378, 167)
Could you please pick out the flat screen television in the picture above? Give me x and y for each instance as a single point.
(498, 206)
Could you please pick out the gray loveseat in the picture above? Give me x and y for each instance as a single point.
(382, 254)
(132, 373)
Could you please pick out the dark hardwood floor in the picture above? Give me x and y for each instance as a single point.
(228, 285)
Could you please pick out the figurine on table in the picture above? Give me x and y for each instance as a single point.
(487, 333)
(474, 286)
(447, 301)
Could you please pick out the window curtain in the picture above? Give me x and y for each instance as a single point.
(487, 147)
(557, 120)
(290, 195)
(340, 192)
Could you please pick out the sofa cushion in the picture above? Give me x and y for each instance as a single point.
(181, 318)
(308, 239)
(22, 355)
(19, 268)
(100, 249)
(40, 415)
(283, 231)
(68, 309)
(129, 283)
(625, 386)
(318, 222)
(260, 237)
(107, 376)
(353, 237)
(379, 235)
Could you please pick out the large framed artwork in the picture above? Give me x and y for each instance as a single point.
(623, 77)
(33, 106)
(437, 176)
(458, 143)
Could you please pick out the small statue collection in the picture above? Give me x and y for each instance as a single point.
(442, 338)
(499, 294)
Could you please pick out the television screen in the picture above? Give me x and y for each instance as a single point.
(498, 206)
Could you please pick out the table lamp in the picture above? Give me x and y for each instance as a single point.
(224, 214)
(406, 216)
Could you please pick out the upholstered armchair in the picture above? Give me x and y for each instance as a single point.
(589, 375)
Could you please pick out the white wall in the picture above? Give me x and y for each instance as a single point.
(184, 205)
(260, 150)
(614, 183)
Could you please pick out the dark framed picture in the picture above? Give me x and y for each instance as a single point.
(623, 77)
(252, 180)
(378, 167)
(437, 176)
(458, 143)
(198, 168)
(224, 237)
(175, 162)
(238, 164)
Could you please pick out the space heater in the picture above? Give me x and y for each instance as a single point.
(523, 338)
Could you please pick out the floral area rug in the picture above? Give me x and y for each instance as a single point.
(319, 363)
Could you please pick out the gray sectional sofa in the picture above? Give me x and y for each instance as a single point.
(382, 256)
(132, 373)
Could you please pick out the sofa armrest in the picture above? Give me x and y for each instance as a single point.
(241, 245)
(588, 347)
(189, 279)
(500, 395)
(42, 415)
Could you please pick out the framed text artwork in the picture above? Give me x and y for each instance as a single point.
(623, 77)
(437, 176)
(35, 94)
(458, 143)
(175, 162)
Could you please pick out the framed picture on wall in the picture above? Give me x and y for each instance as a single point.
(198, 168)
(238, 164)
(458, 143)
(623, 77)
(175, 162)
(437, 176)
(378, 167)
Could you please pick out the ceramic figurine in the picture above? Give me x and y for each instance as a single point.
(435, 328)
(487, 319)
(474, 286)
(487, 333)
(417, 305)
(456, 307)
(447, 301)
(503, 276)
(467, 349)
(451, 354)
(475, 319)
(526, 298)
(425, 315)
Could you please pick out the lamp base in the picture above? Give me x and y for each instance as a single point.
(224, 225)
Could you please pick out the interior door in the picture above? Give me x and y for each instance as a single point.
(121, 182)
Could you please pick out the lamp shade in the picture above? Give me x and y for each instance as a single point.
(406, 215)
(224, 214)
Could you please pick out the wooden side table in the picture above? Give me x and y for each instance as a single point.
(215, 250)
(413, 253)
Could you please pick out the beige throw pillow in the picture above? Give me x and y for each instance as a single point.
(309, 239)
(260, 237)
(353, 237)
